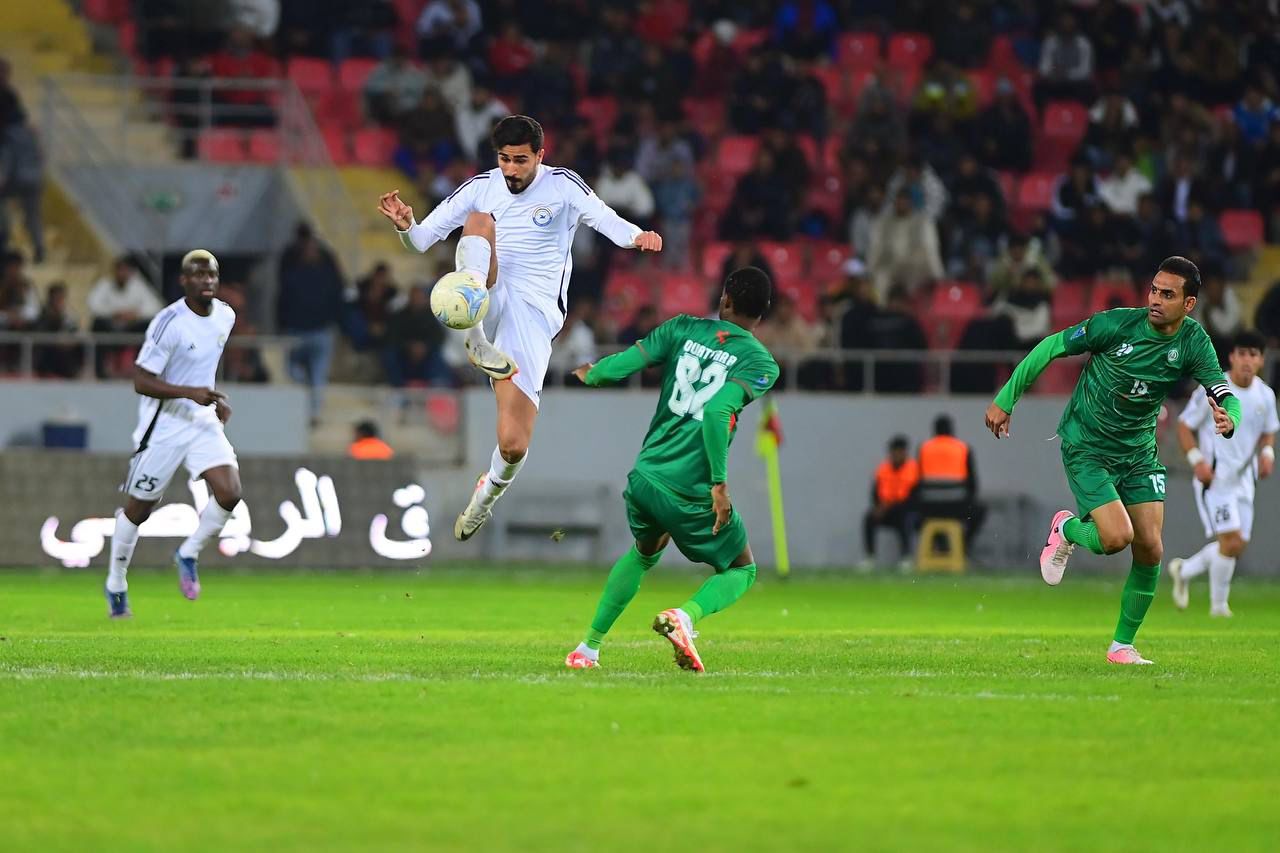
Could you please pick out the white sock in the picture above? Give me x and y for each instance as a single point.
(501, 473)
(1198, 563)
(1221, 569)
(476, 334)
(474, 255)
(122, 542)
(588, 652)
(1117, 646)
(212, 520)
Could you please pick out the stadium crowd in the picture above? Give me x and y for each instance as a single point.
(910, 179)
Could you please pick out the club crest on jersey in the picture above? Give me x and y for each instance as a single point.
(1173, 355)
(1122, 350)
(542, 216)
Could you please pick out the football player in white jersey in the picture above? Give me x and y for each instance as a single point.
(518, 223)
(1225, 473)
(180, 420)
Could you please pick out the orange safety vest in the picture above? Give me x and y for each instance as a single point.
(370, 448)
(894, 485)
(944, 457)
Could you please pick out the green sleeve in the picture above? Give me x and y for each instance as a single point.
(1033, 365)
(1207, 371)
(617, 367)
(716, 418)
(755, 375)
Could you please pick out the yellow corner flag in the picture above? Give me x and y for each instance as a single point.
(768, 440)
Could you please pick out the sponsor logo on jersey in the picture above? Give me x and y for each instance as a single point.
(1173, 355)
(762, 381)
(1080, 330)
(1122, 350)
(542, 216)
(722, 336)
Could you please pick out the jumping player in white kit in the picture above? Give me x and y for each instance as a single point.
(1226, 472)
(180, 420)
(525, 213)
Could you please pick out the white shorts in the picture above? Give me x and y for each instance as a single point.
(522, 332)
(199, 446)
(1225, 508)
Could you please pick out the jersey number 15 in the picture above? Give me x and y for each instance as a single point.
(686, 397)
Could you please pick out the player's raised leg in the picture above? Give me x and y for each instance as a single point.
(224, 483)
(476, 255)
(717, 593)
(516, 417)
(621, 586)
(1140, 587)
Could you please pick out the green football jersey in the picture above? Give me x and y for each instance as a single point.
(698, 357)
(1115, 404)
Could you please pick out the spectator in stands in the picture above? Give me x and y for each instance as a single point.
(63, 360)
(11, 111)
(622, 188)
(510, 56)
(426, 135)
(904, 250)
(1002, 131)
(548, 89)
(576, 343)
(1121, 190)
(260, 17)
(895, 480)
(364, 29)
(375, 300)
(308, 307)
(745, 254)
(879, 118)
(676, 195)
(975, 240)
(414, 338)
(1112, 27)
(615, 52)
(962, 37)
(241, 58)
(19, 304)
(394, 87)
(656, 81)
(1254, 115)
(1113, 128)
(1020, 256)
(806, 29)
(1266, 190)
(925, 190)
(1066, 64)
(1215, 63)
(241, 363)
(368, 444)
(1073, 192)
(943, 91)
(176, 28)
(1200, 237)
(896, 328)
(1027, 307)
(658, 150)
(1219, 308)
(644, 322)
(1153, 240)
(761, 204)
(786, 333)
(121, 302)
(757, 93)
(22, 179)
(474, 122)
(948, 479)
(1091, 245)
(455, 22)
(972, 179)
(862, 218)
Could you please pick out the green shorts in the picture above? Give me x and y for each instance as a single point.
(652, 511)
(1096, 479)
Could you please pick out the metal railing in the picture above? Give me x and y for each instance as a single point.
(185, 110)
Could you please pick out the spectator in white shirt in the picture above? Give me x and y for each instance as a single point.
(393, 88)
(458, 21)
(621, 187)
(1121, 189)
(1066, 64)
(576, 343)
(450, 78)
(120, 302)
(474, 122)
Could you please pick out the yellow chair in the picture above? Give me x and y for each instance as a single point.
(951, 558)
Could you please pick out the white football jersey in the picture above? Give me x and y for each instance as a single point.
(181, 348)
(534, 231)
(1234, 459)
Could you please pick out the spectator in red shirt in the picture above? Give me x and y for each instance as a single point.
(241, 58)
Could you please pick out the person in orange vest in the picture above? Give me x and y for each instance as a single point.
(948, 482)
(367, 443)
(895, 480)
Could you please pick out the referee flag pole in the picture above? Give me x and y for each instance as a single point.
(768, 440)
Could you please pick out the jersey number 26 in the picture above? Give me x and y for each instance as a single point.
(686, 397)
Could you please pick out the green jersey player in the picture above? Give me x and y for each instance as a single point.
(1108, 431)
(677, 491)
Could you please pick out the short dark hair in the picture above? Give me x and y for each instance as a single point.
(1189, 272)
(367, 429)
(942, 425)
(750, 290)
(1249, 339)
(517, 130)
(898, 442)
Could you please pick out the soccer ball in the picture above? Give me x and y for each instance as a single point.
(459, 300)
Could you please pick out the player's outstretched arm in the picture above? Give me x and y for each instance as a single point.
(438, 224)
(717, 416)
(605, 220)
(614, 368)
(148, 384)
(1024, 375)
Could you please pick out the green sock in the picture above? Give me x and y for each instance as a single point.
(719, 591)
(619, 589)
(1083, 533)
(1138, 592)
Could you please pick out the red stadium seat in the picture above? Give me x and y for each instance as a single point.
(335, 139)
(1241, 229)
(836, 85)
(805, 298)
(264, 146)
(736, 154)
(341, 108)
(713, 255)
(748, 40)
(683, 294)
(222, 146)
(984, 84)
(831, 151)
(1112, 294)
(910, 50)
(105, 11)
(1064, 126)
(127, 33)
(625, 293)
(953, 305)
(1003, 59)
(314, 77)
(1008, 187)
(353, 73)
(1070, 303)
(827, 196)
(787, 260)
(826, 263)
(809, 147)
(707, 115)
(1036, 191)
(373, 146)
(717, 189)
(859, 51)
(602, 113)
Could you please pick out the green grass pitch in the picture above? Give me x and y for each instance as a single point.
(430, 710)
